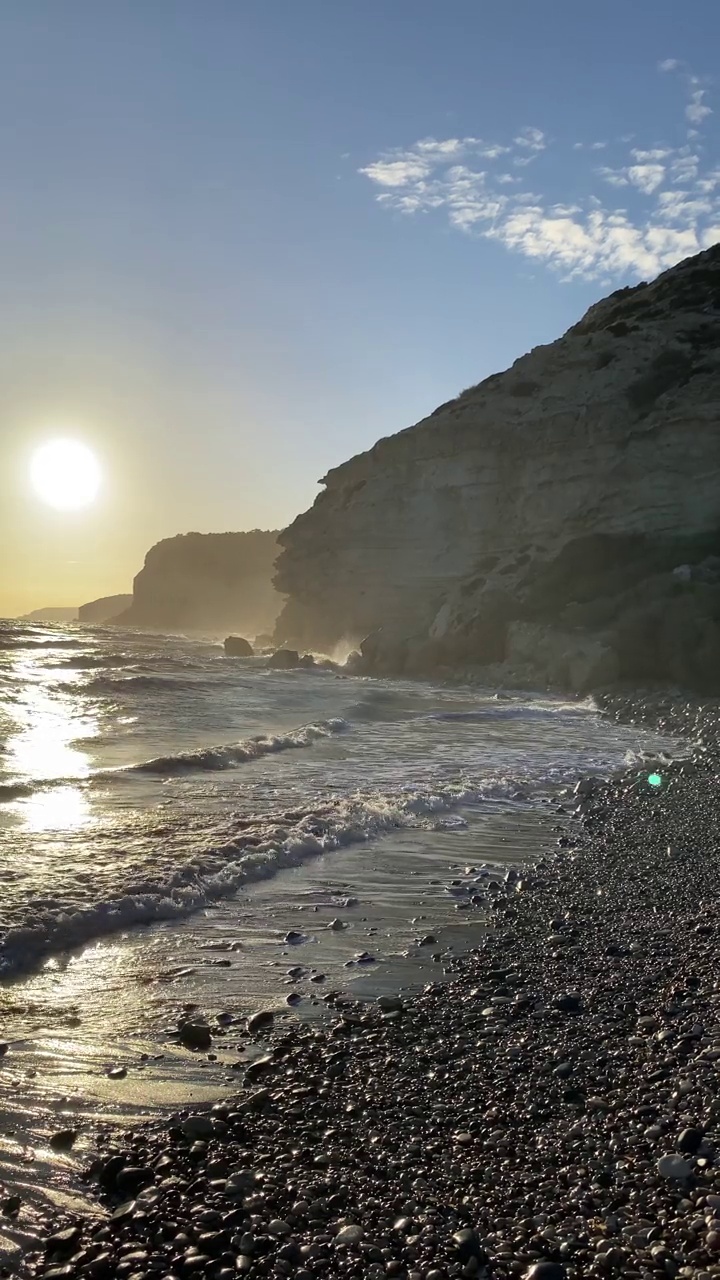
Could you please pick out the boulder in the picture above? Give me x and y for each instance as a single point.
(284, 660)
(306, 661)
(238, 647)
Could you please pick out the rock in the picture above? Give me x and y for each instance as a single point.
(671, 1166)
(365, 958)
(63, 1241)
(337, 925)
(260, 1021)
(567, 1003)
(63, 1140)
(390, 1004)
(545, 1271)
(284, 660)
(123, 1211)
(349, 1235)
(132, 1179)
(198, 1126)
(307, 660)
(689, 1141)
(294, 938)
(467, 1245)
(11, 1206)
(279, 1228)
(428, 941)
(116, 1073)
(237, 647)
(4, 1046)
(195, 1035)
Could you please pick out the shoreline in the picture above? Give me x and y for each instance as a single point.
(525, 1104)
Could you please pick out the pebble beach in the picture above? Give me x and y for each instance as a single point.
(550, 1110)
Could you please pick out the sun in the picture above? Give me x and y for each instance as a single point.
(65, 474)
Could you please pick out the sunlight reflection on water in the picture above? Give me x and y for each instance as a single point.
(46, 745)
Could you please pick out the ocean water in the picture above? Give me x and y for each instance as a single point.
(169, 815)
(150, 778)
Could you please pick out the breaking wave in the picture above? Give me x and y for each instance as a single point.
(263, 846)
(227, 757)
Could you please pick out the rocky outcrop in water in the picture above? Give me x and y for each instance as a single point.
(561, 518)
(104, 610)
(207, 581)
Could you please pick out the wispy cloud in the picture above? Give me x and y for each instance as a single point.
(697, 110)
(673, 190)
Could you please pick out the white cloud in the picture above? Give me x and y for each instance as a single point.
(647, 177)
(398, 173)
(670, 198)
(696, 111)
(532, 138)
(616, 177)
(668, 64)
(656, 153)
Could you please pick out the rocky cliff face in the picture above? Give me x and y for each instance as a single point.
(207, 581)
(106, 609)
(578, 479)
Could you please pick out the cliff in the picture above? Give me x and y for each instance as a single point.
(538, 518)
(207, 581)
(106, 609)
(54, 613)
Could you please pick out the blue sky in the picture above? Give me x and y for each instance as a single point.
(243, 239)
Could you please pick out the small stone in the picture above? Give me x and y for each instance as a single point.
(545, 1271)
(123, 1211)
(63, 1241)
(467, 1245)
(349, 1235)
(12, 1206)
(293, 937)
(365, 958)
(337, 924)
(428, 941)
(671, 1166)
(279, 1228)
(116, 1073)
(257, 1021)
(4, 1046)
(390, 1004)
(689, 1141)
(197, 1127)
(567, 1003)
(195, 1035)
(63, 1140)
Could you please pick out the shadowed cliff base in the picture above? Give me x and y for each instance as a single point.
(559, 522)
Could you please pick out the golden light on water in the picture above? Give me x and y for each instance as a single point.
(47, 746)
(65, 474)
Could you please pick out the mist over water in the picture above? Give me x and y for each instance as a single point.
(147, 777)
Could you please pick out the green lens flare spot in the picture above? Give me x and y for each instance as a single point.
(655, 779)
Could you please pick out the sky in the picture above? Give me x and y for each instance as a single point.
(241, 240)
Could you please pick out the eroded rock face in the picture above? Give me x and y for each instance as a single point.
(546, 495)
(211, 581)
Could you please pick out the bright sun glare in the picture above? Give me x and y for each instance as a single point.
(65, 474)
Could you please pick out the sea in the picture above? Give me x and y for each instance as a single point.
(180, 830)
